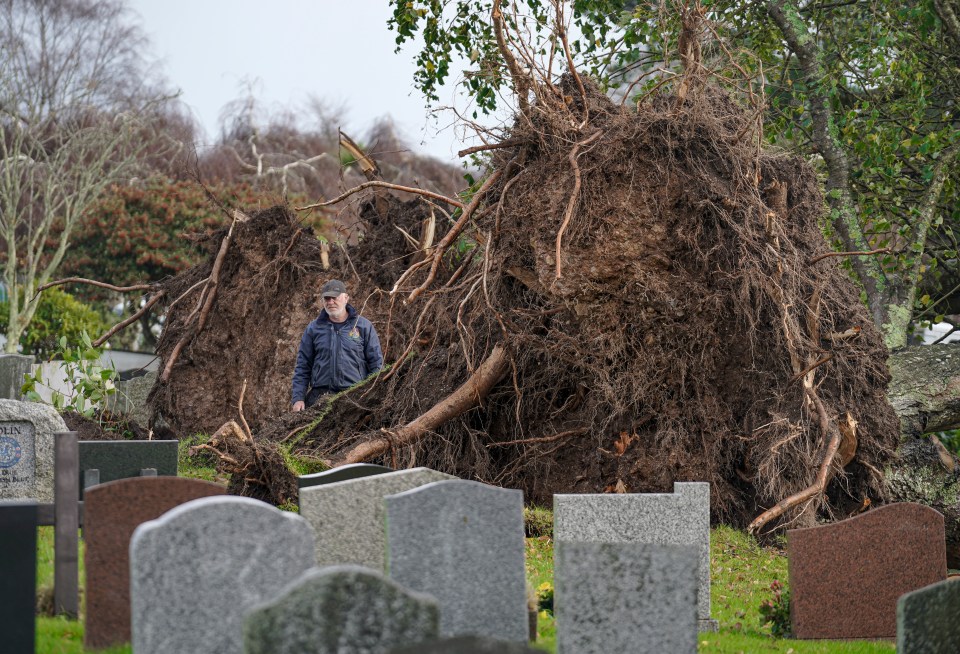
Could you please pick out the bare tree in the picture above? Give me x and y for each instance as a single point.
(75, 116)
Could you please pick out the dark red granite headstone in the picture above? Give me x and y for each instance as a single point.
(111, 512)
(845, 578)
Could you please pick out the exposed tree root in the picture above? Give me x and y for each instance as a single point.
(469, 395)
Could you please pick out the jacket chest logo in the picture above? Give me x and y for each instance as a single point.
(354, 334)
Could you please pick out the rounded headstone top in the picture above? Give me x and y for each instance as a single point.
(44, 417)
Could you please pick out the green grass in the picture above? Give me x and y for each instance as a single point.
(741, 573)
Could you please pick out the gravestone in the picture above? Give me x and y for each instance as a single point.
(625, 597)
(196, 570)
(130, 400)
(340, 610)
(343, 473)
(467, 645)
(112, 512)
(348, 516)
(18, 575)
(123, 459)
(845, 578)
(678, 518)
(13, 367)
(26, 450)
(928, 620)
(463, 543)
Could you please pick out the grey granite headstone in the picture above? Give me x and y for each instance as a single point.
(130, 400)
(340, 610)
(18, 575)
(197, 569)
(342, 473)
(348, 516)
(468, 645)
(26, 449)
(678, 518)
(13, 367)
(625, 597)
(928, 619)
(463, 542)
(124, 459)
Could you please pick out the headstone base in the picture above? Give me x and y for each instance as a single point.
(707, 625)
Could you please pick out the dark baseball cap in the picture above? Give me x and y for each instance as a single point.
(333, 288)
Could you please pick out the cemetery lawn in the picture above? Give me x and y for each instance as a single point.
(741, 574)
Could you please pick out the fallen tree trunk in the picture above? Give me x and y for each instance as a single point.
(925, 388)
(925, 393)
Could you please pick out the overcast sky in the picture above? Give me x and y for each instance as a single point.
(337, 50)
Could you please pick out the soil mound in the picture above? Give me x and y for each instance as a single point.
(265, 297)
(654, 280)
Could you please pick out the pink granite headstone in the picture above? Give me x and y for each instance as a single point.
(845, 578)
(111, 512)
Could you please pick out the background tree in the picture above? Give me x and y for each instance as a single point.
(298, 153)
(75, 115)
(58, 315)
(144, 232)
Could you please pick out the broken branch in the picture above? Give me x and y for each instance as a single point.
(506, 143)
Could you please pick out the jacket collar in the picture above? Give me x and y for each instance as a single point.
(323, 317)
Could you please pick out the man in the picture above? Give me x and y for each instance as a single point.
(337, 350)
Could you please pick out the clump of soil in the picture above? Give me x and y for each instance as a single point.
(108, 427)
(655, 278)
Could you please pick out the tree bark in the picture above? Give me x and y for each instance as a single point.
(925, 389)
(925, 393)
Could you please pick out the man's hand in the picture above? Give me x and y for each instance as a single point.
(298, 406)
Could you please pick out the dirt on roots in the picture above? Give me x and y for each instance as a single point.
(687, 332)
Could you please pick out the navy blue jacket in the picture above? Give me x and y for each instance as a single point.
(333, 359)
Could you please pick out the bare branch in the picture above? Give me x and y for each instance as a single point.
(848, 254)
(93, 282)
(120, 325)
(379, 184)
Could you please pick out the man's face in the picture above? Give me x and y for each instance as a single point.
(335, 306)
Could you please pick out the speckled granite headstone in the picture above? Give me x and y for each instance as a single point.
(467, 645)
(348, 516)
(18, 570)
(13, 367)
(463, 543)
(928, 620)
(196, 570)
(125, 459)
(340, 610)
(342, 473)
(625, 597)
(678, 518)
(26, 449)
(845, 578)
(111, 512)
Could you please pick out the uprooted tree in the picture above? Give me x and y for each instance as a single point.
(632, 296)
